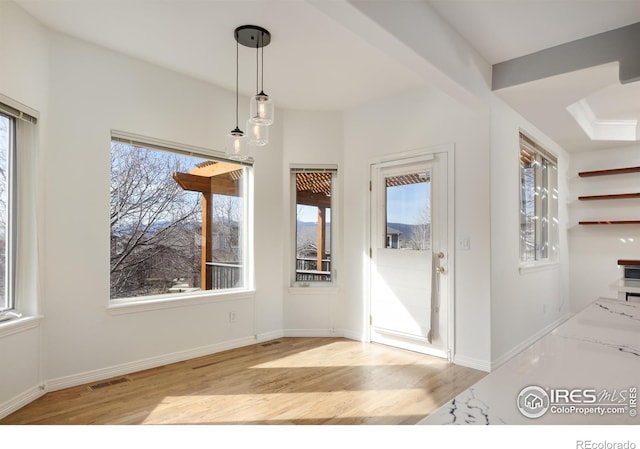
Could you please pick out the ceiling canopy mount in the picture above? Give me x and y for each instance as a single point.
(252, 36)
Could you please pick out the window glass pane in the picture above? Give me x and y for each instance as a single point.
(527, 205)
(6, 126)
(544, 209)
(408, 211)
(313, 226)
(176, 223)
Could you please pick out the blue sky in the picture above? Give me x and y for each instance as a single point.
(406, 204)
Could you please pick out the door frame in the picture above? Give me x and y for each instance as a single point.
(406, 157)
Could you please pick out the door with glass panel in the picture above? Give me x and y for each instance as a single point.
(408, 295)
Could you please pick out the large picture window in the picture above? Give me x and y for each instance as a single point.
(538, 202)
(314, 232)
(178, 222)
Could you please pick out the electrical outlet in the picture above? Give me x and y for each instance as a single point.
(232, 317)
(464, 243)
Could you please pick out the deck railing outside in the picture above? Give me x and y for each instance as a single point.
(307, 269)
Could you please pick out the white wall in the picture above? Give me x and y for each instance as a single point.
(94, 90)
(83, 91)
(408, 122)
(523, 306)
(595, 250)
(24, 78)
(313, 138)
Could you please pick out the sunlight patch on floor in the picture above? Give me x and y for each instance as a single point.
(338, 354)
(212, 409)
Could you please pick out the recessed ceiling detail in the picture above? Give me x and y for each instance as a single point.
(600, 129)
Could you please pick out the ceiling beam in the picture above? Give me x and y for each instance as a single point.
(621, 45)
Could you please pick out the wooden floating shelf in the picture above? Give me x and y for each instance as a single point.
(627, 262)
(613, 171)
(609, 197)
(612, 222)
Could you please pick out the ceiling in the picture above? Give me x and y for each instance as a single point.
(319, 63)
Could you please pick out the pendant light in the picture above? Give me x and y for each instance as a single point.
(261, 108)
(257, 132)
(236, 142)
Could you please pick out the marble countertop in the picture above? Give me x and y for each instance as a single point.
(586, 371)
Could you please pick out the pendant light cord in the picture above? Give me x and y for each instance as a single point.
(262, 79)
(257, 44)
(237, 69)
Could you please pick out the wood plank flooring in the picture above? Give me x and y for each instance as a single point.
(287, 381)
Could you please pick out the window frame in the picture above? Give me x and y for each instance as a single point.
(303, 286)
(22, 221)
(10, 308)
(545, 206)
(169, 300)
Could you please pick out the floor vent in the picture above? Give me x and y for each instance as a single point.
(108, 383)
(270, 343)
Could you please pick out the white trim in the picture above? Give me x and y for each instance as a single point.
(313, 333)
(19, 401)
(19, 106)
(411, 155)
(297, 287)
(537, 267)
(470, 362)
(353, 335)
(167, 145)
(132, 305)
(267, 336)
(19, 325)
(420, 154)
(409, 344)
(528, 342)
(599, 129)
(152, 362)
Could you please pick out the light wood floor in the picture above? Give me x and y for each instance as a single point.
(285, 381)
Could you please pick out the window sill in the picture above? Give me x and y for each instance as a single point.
(313, 290)
(133, 305)
(537, 267)
(17, 325)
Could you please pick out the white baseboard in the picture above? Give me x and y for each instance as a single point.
(20, 401)
(528, 342)
(353, 335)
(482, 365)
(272, 335)
(152, 362)
(313, 333)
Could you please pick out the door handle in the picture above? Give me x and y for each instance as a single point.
(440, 255)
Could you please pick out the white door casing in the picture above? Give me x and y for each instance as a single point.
(410, 302)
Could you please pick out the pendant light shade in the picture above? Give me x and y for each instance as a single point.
(261, 109)
(257, 133)
(236, 142)
(236, 145)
